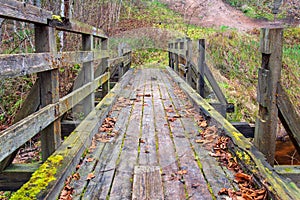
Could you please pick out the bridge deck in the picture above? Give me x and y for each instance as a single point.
(152, 124)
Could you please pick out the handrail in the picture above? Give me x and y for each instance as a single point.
(46, 63)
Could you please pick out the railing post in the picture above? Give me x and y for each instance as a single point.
(176, 64)
(201, 62)
(121, 66)
(45, 41)
(188, 56)
(88, 69)
(104, 64)
(269, 76)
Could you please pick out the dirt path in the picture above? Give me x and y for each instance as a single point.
(216, 13)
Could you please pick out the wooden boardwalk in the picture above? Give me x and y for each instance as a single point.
(154, 125)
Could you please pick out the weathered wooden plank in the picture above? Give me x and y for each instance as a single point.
(13, 177)
(214, 85)
(288, 116)
(266, 122)
(288, 171)
(186, 156)
(72, 148)
(13, 65)
(277, 186)
(16, 135)
(116, 61)
(121, 189)
(148, 154)
(173, 189)
(74, 26)
(106, 168)
(147, 183)
(24, 12)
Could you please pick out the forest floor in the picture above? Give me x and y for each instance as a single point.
(217, 13)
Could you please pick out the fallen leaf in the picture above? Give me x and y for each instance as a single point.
(76, 176)
(203, 124)
(90, 176)
(90, 159)
(141, 140)
(200, 141)
(223, 191)
(181, 172)
(172, 119)
(195, 185)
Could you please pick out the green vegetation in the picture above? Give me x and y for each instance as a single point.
(255, 9)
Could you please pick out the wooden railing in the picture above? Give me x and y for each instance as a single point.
(192, 66)
(273, 101)
(43, 109)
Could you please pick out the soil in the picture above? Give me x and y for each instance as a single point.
(216, 13)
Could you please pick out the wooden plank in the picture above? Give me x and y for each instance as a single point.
(72, 148)
(217, 90)
(267, 119)
(148, 154)
(288, 171)
(277, 186)
(14, 65)
(106, 168)
(288, 116)
(17, 134)
(147, 183)
(173, 189)
(74, 26)
(121, 189)
(13, 177)
(24, 12)
(186, 156)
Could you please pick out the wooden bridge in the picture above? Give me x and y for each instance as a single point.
(152, 135)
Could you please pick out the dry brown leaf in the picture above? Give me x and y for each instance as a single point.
(90, 176)
(76, 176)
(172, 119)
(200, 141)
(203, 124)
(90, 159)
(241, 177)
(181, 172)
(142, 141)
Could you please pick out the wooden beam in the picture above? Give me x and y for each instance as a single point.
(217, 90)
(13, 65)
(23, 12)
(289, 116)
(147, 183)
(13, 177)
(267, 120)
(201, 66)
(16, 135)
(288, 171)
(45, 41)
(74, 26)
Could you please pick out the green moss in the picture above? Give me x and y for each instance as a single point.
(244, 157)
(39, 179)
